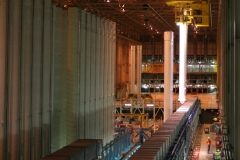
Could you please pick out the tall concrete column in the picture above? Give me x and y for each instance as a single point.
(168, 74)
(183, 30)
(132, 69)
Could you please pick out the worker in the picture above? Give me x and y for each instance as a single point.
(208, 142)
(217, 130)
(217, 155)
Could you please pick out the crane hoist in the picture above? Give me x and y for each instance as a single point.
(194, 12)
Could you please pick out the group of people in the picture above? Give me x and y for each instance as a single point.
(218, 154)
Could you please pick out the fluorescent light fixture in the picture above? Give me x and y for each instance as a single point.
(178, 23)
(128, 104)
(182, 109)
(150, 105)
(145, 86)
(183, 28)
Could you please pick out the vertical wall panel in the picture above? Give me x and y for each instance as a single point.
(110, 104)
(112, 75)
(60, 85)
(82, 70)
(26, 75)
(47, 50)
(93, 78)
(58, 81)
(119, 66)
(87, 77)
(62, 78)
(105, 69)
(3, 109)
(101, 85)
(230, 59)
(13, 79)
(97, 60)
(237, 78)
(72, 97)
(37, 78)
(106, 78)
(114, 66)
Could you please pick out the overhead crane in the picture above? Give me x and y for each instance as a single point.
(173, 139)
(194, 12)
(187, 12)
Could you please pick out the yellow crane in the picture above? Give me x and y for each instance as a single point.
(194, 12)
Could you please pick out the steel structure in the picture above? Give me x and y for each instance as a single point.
(174, 137)
(134, 17)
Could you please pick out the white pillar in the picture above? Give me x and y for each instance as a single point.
(183, 30)
(132, 69)
(168, 74)
(139, 72)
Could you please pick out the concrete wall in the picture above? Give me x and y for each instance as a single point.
(57, 78)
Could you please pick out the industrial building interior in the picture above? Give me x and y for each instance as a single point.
(85, 79)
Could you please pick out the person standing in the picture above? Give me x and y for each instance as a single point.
(217, 130)
(217, 155)
(208, 142)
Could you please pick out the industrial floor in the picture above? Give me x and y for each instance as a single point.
(203, 154)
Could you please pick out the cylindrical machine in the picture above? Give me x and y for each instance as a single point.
(168, 74)
(183, 30)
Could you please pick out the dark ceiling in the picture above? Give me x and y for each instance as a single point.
(143, 17)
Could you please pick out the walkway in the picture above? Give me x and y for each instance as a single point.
(203, 155)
